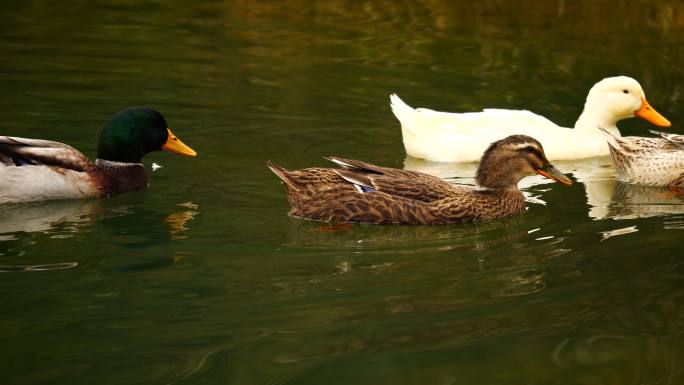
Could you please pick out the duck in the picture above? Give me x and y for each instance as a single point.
(360, 192)
(461, 137)
(37, 169)
(649, 161)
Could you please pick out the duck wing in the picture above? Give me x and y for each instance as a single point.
(677, 140)
(414, 185)
(15, 151)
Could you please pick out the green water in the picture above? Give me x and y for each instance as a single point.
(204, 279)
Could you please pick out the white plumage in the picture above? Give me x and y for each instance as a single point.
(463, 137)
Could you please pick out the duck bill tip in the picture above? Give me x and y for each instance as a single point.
(553, 174)
(176, 146)
(649, 114)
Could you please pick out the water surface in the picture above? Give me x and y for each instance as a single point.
(204, 279)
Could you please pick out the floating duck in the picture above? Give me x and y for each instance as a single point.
(648, 161)
(36, 169)
(366, 193)
(461, 137)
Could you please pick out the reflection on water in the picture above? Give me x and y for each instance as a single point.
(72, 219)
(63, 218)
(45, 267)
(45, 216)
(177, 221)
(226, 289)
(616, 232)
(631, 201)
(403, 239)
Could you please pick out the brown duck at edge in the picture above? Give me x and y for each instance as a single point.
(364, 193)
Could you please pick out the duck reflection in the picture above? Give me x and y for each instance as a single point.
(634, 201)
(605, 196)
(46, 216)
(21, 224)
(320, 236)
(61, 217)
(176, 221)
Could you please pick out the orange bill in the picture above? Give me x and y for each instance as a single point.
(552, 173)
(174, 145)
(647, 112)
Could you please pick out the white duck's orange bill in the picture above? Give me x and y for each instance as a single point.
(647, 112)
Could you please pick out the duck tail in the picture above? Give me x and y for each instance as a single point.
(612, 140)
(401, 110)
(283, 174)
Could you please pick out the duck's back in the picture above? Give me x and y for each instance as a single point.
(648, 161)
(36, 169)
(463, 137)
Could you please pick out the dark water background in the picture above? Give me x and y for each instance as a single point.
(203, 279)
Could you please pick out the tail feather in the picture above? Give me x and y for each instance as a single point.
(356, 165)
(670, 137)
(612, 140)
(401, 110)
(283, 174)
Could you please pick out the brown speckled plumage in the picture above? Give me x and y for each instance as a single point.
(366, 193)
(649, 161)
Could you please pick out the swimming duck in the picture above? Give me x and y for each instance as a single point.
(461, 137)
(648, 161)
(35, 169)
(366, 193)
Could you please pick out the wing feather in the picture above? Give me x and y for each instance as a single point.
(401, 183)
(675, 139)
(39, 151)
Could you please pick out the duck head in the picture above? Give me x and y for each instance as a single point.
(136, 131)
(508, 160)
(616, 98)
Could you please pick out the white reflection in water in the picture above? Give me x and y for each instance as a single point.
(44, 216)
(605, 196)
(69, 216)
(616, 232)
(43, 267)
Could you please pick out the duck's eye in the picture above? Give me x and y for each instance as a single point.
(534, 151)
(625, 91)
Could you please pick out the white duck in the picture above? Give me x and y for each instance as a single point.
(462, 137)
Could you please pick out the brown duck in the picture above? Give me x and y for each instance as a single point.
(364, 193)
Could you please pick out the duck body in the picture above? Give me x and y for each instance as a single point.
(394, 198)
(365, 193)
(35, 169)
(65, 173)
(462, 137)
(649, 161)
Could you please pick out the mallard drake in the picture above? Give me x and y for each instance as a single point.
(648, 161)
(461, 137)
(36, 169)
(366, 193)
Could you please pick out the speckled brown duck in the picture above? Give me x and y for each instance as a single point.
(365, 193)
